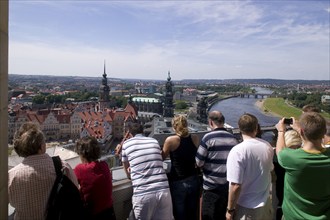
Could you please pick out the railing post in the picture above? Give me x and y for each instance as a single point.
(4, 109)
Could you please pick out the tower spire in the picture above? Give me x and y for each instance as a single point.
(104, 90)
(168, 110)
(168, 76)
(104, 73)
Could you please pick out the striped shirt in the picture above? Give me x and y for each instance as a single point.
(212, 156)
(146, 164)
(30, 183)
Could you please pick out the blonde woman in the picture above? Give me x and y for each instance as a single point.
(183, 177)
(292, 139)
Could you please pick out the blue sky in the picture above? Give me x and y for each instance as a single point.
(193, 39)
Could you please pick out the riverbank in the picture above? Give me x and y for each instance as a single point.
(260, 105)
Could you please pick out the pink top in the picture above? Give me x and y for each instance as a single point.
(95, 182)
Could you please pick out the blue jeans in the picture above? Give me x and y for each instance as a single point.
(185, 198)
(214, 203)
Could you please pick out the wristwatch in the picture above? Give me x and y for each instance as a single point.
(230, 211)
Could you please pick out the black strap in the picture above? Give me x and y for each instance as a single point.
(58, 165)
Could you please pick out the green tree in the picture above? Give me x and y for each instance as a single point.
(39, 99)
(181, 105)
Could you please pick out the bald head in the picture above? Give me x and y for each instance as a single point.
(217, 118)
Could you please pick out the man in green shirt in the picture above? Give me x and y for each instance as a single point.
(307, 177)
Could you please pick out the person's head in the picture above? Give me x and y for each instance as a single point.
(248, 124)
(259, 131)
(88, 149)
(29, 140)
(135, 128)
(292, 139)
(312, 126)
(216, 119)
(326, 138)
(180, 125)
(310, 108)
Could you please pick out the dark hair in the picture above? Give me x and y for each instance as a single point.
(88, 148)
(135, 128)
(328, 128)
(28, 140)
(217, 117)
(311, 108)
(259, 131)
(248, 123)
(313, 125)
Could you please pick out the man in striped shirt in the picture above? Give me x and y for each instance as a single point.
(143, 163)
(212, 157)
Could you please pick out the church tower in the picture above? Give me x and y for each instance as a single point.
(104, 91)
(168, 110)
(202, 107)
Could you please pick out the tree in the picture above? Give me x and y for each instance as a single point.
(181, 105)
(39, 99)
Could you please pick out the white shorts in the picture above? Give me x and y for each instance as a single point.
(153, 206)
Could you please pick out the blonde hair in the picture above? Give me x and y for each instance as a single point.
(292, 139)
(180, 125)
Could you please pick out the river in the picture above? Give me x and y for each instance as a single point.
(233, 108)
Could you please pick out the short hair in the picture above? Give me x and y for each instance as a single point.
(217, 117)
(328, 128)
(313, 125)
(248, 123)
(180, 125)
(28, 140)
(292, 139)
(135, 128)
(259, 131)
(311, 108)
(88, 148)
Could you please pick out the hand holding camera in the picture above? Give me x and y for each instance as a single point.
(281, 126)
(288, 121)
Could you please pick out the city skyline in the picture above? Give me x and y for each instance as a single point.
(192, 39)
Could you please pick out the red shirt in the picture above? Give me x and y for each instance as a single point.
(95, 182)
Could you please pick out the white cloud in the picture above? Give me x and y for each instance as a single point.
(209, 39)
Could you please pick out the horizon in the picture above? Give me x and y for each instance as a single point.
(165, 79)
(215, 39)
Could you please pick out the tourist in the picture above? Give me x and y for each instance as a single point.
(212, 157)
(183, 176)
(31, 181)
(310, 108)
(143, 164)
(326, 138)
(293, 141)
(249, 167)
(307, 170)
(95, 180)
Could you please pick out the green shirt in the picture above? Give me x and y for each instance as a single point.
(306, 184)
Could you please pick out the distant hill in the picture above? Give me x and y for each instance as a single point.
(257, 81)
(36, 78)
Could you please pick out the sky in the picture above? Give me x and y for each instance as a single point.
(192, 39)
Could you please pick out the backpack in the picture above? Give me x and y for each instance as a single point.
(64, 202)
